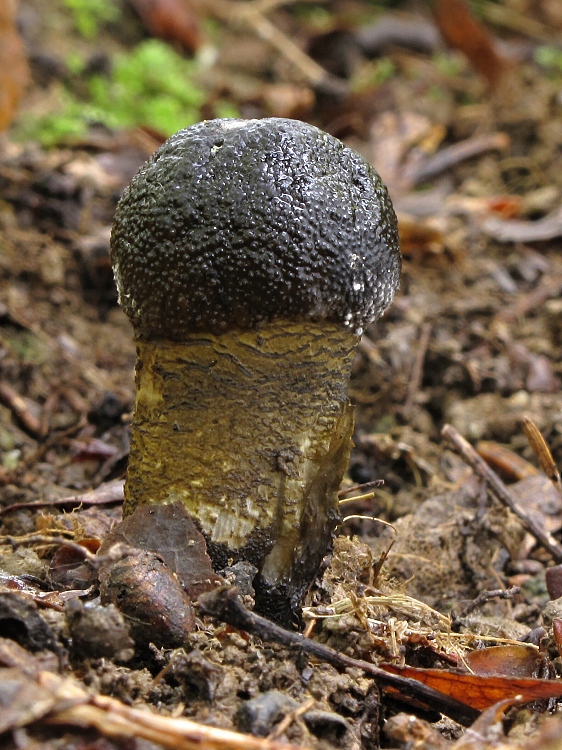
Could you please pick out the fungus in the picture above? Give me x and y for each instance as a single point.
(249, 255)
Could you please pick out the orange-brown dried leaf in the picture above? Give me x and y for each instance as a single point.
(419, 238)
(463, 32)
(506, 661)
(507, 206)
(172, 20)
(481, 692)
(14, 71)
(505, 461)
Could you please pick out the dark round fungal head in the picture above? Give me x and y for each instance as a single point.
(235, 223)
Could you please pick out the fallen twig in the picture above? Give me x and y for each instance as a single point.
(516, 230)
(499, 490)
(286, 722)
(482, 598)
(359, 487)
(252, 14)
(450, 155)
(225, 604)
(417, 370)
(70, 704)
(110, 492)
(550, 288)
(116, 552)
(17, 405)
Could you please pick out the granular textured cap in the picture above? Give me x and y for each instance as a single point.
(235, 223)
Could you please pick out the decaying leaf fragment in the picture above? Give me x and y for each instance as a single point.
(167, 568)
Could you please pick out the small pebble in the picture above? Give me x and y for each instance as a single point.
(258, 715)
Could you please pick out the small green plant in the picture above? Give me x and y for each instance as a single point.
(448, 64)
(550, 58)
(373, 73)
(48, 129)
(152, 86)
(436, 93)
(89, 15)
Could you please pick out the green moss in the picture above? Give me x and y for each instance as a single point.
(373, 73)
(152, 86)
(449, 64)
(549, 58)
(89, 15)
(51, 129)
(26, 346)
(436, 93)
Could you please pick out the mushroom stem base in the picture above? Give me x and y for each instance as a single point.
(251, 431)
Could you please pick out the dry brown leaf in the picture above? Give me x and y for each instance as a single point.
(463, 32)
(506, 661)
(172, 20)
(14, 72)
(168, 531)
(507, 462)
(481, 692)
(419, 237)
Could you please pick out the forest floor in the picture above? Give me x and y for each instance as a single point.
(473, 160)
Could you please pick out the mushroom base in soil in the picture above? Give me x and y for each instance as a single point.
(251, 431)
(249, 255)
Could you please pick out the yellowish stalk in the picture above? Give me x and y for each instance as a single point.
(251, 431)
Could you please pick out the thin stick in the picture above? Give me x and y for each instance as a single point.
(286, 722)
(110, 492)
(252, 15)
(116, 552)
(417, 370)
(225, 604)
(357, 498)
(500, 491)
(451, 155)
(17, 405)
(314, 73)
(363, 487)
(542, 452)
(482, 598)
(113, 719)
(548, 289)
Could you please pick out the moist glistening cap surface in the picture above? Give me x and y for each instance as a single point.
(236, 223)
